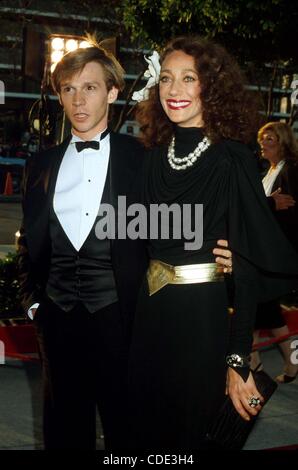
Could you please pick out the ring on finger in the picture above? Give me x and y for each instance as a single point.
(254, 401)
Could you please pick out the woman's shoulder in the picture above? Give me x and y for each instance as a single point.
(240, 154)
(238, 149)
(289, 173)
(291, 165)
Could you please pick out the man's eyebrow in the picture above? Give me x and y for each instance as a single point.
(95, 82)
(84, 84)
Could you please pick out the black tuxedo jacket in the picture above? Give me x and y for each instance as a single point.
(287, 180)
(129, 258)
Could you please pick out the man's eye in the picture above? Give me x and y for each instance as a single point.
(91, 87)
(188, 78)
(66, 89)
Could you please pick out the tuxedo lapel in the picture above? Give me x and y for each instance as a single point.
(53, 169)
(42, 179)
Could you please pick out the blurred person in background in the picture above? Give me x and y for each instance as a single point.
(279, 148)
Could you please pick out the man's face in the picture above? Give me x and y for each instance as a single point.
(85, 99)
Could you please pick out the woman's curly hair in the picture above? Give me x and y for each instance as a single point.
(230, 110)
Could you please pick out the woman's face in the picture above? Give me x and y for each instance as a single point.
(270, 147)
(179, 90)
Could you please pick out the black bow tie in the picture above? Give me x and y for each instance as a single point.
(87, 144)
(91, 144)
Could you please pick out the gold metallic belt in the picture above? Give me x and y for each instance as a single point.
(160, 274)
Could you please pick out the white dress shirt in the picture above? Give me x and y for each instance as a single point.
(78, 191)
(79, 188)
(270, 177)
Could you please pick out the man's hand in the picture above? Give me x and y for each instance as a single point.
(282, 201)
(223, 257)
(240, 392)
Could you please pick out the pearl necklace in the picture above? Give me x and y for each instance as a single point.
(185, 162)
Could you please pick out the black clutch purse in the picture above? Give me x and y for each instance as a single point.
(230, 430)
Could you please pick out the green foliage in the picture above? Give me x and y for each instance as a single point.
(9, 298)
(266, 29)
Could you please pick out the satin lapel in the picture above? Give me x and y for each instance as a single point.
(53, 169)
(39, 197)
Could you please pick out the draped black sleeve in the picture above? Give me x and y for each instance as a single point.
(265, 265)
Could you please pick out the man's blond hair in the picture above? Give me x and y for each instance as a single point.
(73, 62)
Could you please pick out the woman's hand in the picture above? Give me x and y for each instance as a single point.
(240, 392)
(223, 257)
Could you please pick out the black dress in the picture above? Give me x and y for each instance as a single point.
(182, 333)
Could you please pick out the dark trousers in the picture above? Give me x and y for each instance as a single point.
(84, 361)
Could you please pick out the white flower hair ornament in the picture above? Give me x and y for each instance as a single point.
(152, 73)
